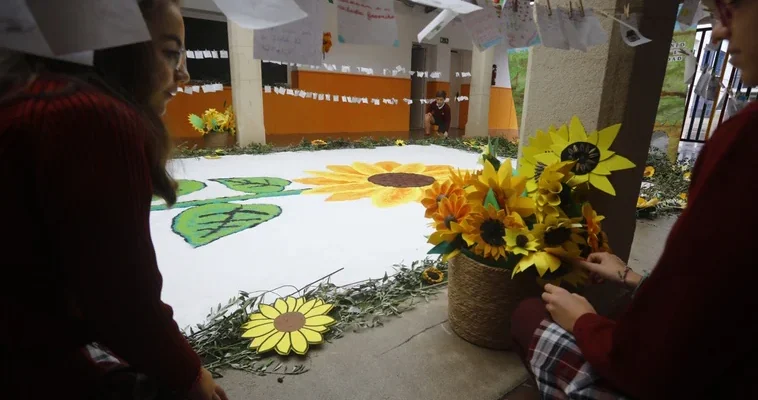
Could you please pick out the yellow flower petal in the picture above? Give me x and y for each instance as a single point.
(258, 316)
(601, 182)
(415, 168)
(368, 169)
(299, 343)
(388, 166)
(280, 306)
(257, 342)
(285, 345)
(319, 310)
(318, 328)
(259, 330)
(307, 306)
(343, 169)
(318, 302)
(607, 136)
(299, 303)
(319, 320)
(291, 304)
(391, 197)
(312, 336)
(268, 311)
(576, 130)
(617, 163)
(352, 195)
(271, 342)
(257, 322)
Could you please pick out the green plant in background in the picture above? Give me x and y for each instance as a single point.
(518, 61)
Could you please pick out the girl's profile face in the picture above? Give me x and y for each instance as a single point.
(169, 69)
(738, 25)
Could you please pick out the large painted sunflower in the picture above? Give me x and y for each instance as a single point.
(386, 183)
(485, 230)
(508, 189)
(528, 166)
(434, 195)
(594, 159)
(289, 325)
(560, 236)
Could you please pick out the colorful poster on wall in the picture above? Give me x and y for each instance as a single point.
(296, 42)
(518, 60)
(483, 26)
(369, 22)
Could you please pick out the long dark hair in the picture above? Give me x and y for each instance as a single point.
(125, 73)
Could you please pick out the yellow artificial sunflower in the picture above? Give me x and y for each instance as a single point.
(687, 176)
(520, 241)
(464, 179)
(508, 189)
(528, 165)
(433, 276)
(386, 183)
(291, 324)
(436, 193)
(318, 143)
(485, 230)
(642, 203)
(560, 236)
(649, 171)
(594, 159)
(452, 211)
(524, 243)
(399, 142)
(567, 273)
(596, 238)
(683, 199)
(547, 198)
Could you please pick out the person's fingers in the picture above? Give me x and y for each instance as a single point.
(547, 297)
(597, 258)
(588, 265)
(221, 393)
(554, 289)
(578, 296)
(549, 307)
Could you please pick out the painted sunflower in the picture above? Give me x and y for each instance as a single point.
(433, 276)
(560, 236)
(387, 183)
(528, 166)
(596, 238)
(485, 230)
(400, 142)
(594, 159)
(508, 189)
(649, 172)
(436, 193)
(289, 325)
(547, 198)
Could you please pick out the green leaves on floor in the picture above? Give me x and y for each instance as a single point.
(205, 224)
(254, 185)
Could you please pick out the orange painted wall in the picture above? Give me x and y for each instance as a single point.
(183, 105)
(433, 87)
(287, 114)
(502, 109)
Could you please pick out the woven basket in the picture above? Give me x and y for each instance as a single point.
(216, 140)
(481, 300)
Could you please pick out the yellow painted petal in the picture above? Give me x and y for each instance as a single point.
(257, 316)
(601, 169)
(415, 168)
(576, 131)
(368, 169)
(601, 182)
(271, 342)
(318, 302)
(548, 158)
(318, 328)
(617, 163)
(291, 304)
(312, 336)
(259, 330)
(280, 306)
(321, 181)
(268, 311)
(284, 346)
(307, 306)
(592, 138)
(351, 195)
(606, 154)
(319, 320)
(388, 166)
(560, 137)
(319, 310)
(345, 187)
(258, 322)
(299, 343)
(257, 342)
(343, 169)
(338, 176)
(391, 197)
(607, 136)
(299, 303)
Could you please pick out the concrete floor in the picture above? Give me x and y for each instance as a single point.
(417, 357)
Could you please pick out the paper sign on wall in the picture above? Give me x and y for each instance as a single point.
(369, 22)
(295, 42)
(520, 29)
(483, 26)
(261, 14)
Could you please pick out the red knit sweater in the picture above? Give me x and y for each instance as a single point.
(78, 261)
(691, 331)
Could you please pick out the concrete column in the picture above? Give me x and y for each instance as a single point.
(479, 98)
(441, 56)
(247, 86)
(609, 84)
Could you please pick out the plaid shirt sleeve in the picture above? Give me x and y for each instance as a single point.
(560, 369)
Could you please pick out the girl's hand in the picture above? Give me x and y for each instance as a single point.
(564, 307)
(607, 266)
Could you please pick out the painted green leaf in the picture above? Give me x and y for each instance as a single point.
(202, 225)
(254, 185)
(197, 122)
(491, 200)
(442, 248)
(187, 186)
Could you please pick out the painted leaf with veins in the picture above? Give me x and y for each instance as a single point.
(254, 185)
(205, 224)
(187, 186)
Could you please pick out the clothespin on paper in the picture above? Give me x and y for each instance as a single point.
(627, 10)
(581, 8)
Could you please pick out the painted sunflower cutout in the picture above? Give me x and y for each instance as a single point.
(433, 276)
(290, 325)
(387, 183)
(594, 159)
(528, 166)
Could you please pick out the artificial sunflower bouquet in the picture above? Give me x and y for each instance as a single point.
(214, 121)
(502, 229)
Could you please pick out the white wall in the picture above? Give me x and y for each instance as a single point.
(503, 78)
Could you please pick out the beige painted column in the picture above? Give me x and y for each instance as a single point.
(479, 98)
(247, 86)
(609, 84)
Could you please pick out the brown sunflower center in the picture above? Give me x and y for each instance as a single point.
(432, 275)
(522, 241)
(558, 236)
(493, 232)
(449, 220)
(586, 155)
(401, 180)
(289, 322)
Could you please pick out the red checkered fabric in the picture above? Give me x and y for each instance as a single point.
(560, 369)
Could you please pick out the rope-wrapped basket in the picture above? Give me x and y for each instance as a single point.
(481, 300)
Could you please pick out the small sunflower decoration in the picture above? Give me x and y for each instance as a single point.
(687, 176)
(433, 276)
(288, 325)
(508, 189)
(400, 143)
(643, 203)
(214, 121)
(649, 171)
(597, 241)
(436, 193)
(216, 155)
(318, 143)
(683, 199)
(529, 167)
(326, 43)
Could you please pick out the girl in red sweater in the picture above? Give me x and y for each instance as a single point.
(82, 151)
(690, 330)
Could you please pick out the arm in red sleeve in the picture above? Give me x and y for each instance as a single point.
(683, 330)
(95, 190)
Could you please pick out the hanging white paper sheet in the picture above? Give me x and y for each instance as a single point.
(632, 37)
(550, 28)
(520, 28)
(483, 26)
(295, 42)
(261, 14)
(70, 30)
(691, 12)
(590, 28)
(370, 22)
(459, 6)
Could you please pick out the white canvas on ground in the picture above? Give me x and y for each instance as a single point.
(550, 28)
(295, 42)
(370, 22)
(520, 28)
(260, 14)
(484, 26)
